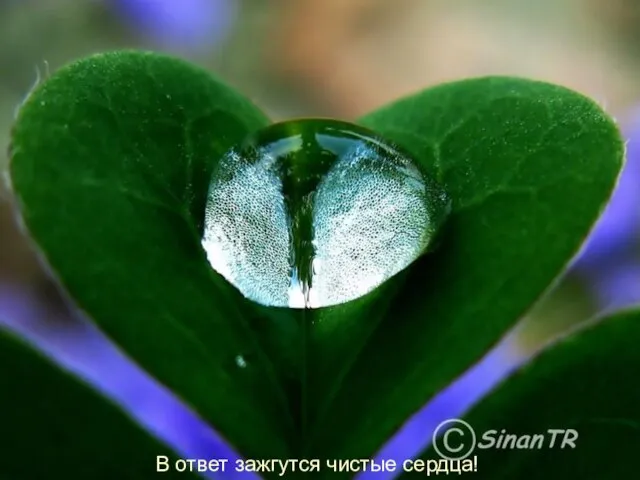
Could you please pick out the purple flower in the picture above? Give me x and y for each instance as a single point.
(187, 26)
(612, 252)
(618, 286)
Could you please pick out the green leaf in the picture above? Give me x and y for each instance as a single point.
(529, 167)
(55, 426)
(587, 381)
(111, 160)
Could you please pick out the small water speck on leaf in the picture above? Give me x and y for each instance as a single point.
(240, 361)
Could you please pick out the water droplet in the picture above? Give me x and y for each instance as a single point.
(240, 361)
(312, 213)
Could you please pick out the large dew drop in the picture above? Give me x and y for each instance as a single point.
(312, 213)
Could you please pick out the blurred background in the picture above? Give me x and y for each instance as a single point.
(339, 58)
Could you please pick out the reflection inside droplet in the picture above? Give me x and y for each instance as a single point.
(312, 213)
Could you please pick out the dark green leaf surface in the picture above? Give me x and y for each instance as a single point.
(111, 160)
(529, 167)
(588, 382)
(56, 427)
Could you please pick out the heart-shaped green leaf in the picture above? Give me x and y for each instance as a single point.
(57, 427)
(529, 166)
(585, 384)
(111, 159)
